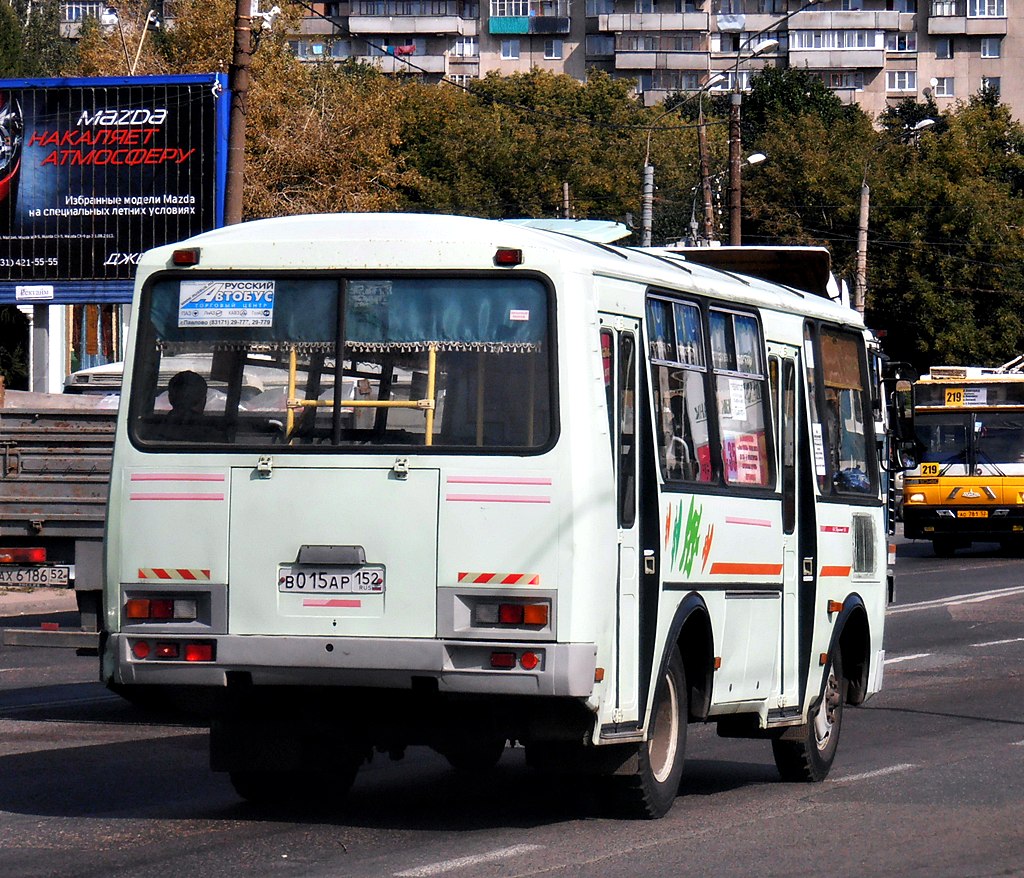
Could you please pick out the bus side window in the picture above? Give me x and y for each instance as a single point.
(680, 397)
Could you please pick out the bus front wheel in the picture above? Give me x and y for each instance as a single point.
(806, 752)
(652, 789)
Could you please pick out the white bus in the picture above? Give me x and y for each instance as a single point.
(571, 495)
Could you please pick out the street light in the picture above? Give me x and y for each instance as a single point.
(735, 145)
(647, 198)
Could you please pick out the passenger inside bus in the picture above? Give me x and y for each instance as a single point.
(187, 392)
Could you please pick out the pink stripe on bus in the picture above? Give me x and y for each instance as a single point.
(175, 496)
(178, 477)
(495, 498)
(495, 480)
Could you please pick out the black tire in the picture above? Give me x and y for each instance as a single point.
(477, 755)
(944, 547)
(806, 753)
(651, 791)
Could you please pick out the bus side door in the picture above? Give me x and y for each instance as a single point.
(620, 344)
(784, 362)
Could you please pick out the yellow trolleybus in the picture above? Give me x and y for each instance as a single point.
(970, 482)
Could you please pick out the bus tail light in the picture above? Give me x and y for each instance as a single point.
(199, 652)
(161, 609)
(503, 660)
(511, 613)
(23, 556)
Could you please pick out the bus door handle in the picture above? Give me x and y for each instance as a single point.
(808, 571)
(650, 567)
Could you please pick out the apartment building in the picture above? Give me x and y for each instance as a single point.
(870, 52)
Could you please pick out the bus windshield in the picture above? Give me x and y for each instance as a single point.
(319, 362)
(972, 438)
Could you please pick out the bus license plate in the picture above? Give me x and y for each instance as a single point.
(35, 576)
(972, 513)
(364, 579)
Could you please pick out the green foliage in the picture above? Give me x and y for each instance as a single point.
(777, 94)
(28, 44)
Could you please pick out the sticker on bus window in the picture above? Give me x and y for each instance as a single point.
(819, 449)
(518, 314)
(737, 399)
(929, 469)
(208, 303)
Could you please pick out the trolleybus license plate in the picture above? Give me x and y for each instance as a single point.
(37, 576)
(972, 513)
(309, 579)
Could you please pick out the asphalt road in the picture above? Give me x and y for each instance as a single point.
(929, 779)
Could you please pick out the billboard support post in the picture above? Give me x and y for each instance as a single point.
(238, 84)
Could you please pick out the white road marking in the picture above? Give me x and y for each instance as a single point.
(1000, 642)
(878, 772)
(907, 658)
(465, 862)
(954, 600)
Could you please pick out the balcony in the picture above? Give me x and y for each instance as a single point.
(695, 61)
(847, 20)
(950, 18)
(837, 59)
(417, 63)
(410, 17)
(653, 21)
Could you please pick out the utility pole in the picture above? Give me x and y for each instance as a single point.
(566, 212)
(705, 171)
(238, 82)
(735, 193)
(647, 206)
(860, 287)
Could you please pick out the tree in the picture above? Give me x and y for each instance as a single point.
(28, 47)
(318, 137)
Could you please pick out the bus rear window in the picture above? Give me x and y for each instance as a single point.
(314, 362)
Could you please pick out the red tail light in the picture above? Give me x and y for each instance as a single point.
(503, 660)
(23, 556)
(199, 652)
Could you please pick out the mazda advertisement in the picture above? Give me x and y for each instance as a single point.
(95, 171)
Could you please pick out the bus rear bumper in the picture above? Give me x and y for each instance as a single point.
(562, 669)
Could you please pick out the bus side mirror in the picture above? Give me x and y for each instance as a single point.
(906, 448)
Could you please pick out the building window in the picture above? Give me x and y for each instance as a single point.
(990, 82)
(944, 49)
(901, 80)
(991, 47)
(844, 79)
(837, 39)
(986, 8)
(901, 5)
(510, 8)
(460, 79)
(466, 47)
(510, 50)
(600, 7)
(341, 49)
(943, 87)
(600, 44)
(851, 5)
(552, 50)
(771, 7)
(895, 42)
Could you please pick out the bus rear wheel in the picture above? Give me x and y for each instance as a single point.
(806, 753)
(651, 790)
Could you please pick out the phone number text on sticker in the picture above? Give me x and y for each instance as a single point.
(343, 580)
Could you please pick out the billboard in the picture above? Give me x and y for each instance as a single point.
(95, 171)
